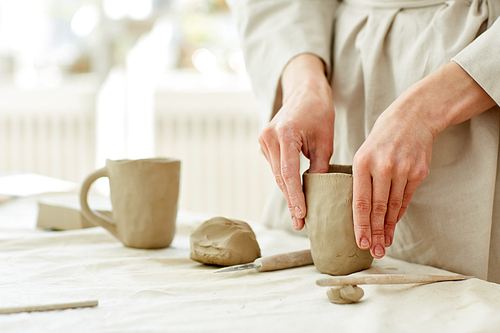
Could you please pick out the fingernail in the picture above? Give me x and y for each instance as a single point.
(379, 250)
(298, 212)
(364, 243)
(387, 240)
(297, 226)
(295, 223)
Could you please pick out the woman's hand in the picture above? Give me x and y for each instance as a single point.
(387, 169)
(304, 123)
(395, 158)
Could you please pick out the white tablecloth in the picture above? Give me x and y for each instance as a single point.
(165, 291)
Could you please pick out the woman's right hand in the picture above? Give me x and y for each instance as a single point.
(304, 123)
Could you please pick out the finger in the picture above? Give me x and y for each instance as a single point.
(298, 223)
(320, 162)
(393, 208)
(380, 197)
(361, 206)
(402, 212)
(410, 189)
(290, 171)
(264, 150)
(415, 178)
(273, 151)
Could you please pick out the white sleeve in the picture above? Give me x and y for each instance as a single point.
(272, 32)
(481, 59)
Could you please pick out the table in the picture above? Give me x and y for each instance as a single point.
(163, 290)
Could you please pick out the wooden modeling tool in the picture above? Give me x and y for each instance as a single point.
(388, 279)
(49, 307)
(275, 262)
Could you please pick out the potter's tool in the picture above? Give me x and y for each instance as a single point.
(275, 262)
(388, 279)
(49, 307)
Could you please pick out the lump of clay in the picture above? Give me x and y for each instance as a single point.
(344, 294)
(224, 242)
(329, 222)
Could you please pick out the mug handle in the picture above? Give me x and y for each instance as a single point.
(92, 215)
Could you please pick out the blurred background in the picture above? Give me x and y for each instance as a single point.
(86, 80)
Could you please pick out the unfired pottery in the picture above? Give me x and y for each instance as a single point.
(344, 294)
(144, 195)
(329, 222)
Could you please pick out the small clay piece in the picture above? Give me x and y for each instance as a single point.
(224, 242)
(329, 222)
(344, 294)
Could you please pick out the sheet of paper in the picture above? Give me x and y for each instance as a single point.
(23, 185)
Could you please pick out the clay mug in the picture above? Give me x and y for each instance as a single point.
(329, 222)
(144, 195)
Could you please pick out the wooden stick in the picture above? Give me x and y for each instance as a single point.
(285, 260)
(388, 279)
(49, 307)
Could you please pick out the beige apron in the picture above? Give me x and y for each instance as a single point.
(381, 47)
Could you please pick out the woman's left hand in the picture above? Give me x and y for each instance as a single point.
(387, 169)
(396, 156)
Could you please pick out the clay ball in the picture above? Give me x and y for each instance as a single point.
(224, 242)
(344, 294)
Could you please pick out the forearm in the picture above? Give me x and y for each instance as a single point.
(446, 97)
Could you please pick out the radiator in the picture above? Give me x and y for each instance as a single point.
(215, 137)
(48, 132)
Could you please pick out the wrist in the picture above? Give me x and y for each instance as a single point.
(304, 73)
(447, 97)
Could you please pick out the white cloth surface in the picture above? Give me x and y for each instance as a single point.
(165, 291)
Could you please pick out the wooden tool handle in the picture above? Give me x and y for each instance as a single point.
(285, 260)
(388, 279)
